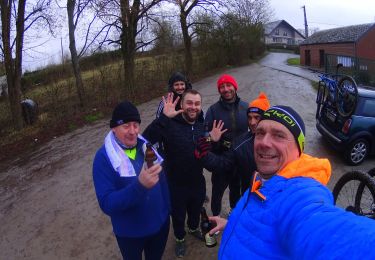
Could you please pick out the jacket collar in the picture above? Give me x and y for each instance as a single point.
(227, 105)
(308, 166)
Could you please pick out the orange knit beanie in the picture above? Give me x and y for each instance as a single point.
(259, 105)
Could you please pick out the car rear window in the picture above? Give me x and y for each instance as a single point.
(366, 107)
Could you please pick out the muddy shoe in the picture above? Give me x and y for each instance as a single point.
(196, 233)
(180, 248)
(210, 240)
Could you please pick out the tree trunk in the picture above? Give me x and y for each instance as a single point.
(13, 67)
(129, 70)
(187, 43)
(129, 19)
(14, 91)
(73, 53)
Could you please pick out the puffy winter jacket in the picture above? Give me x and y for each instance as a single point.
(297, 220)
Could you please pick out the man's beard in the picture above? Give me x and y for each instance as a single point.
(229, 100)
(188, 118)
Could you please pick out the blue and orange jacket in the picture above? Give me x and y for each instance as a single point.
(292, 216)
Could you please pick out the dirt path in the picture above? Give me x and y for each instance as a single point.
(48, 205)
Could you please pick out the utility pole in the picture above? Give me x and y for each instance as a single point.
(306, 26)
(62, 51)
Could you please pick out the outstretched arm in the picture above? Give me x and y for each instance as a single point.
(312, 227)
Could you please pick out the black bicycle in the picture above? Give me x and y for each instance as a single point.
(338, 91)
(355, 192)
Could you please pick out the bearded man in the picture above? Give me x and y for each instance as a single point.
(179, 132)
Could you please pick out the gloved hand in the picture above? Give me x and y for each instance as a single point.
(202, 148)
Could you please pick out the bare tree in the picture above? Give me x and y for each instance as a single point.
(71, 5)
(251, 12)
(166, 36)
(130, 22)
(186, 7)
(75, 10)
(23, 16)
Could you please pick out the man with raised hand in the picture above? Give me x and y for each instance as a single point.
(233, 112)
(240, 157)
(179, 131)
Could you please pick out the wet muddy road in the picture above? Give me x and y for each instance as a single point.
(48, 208)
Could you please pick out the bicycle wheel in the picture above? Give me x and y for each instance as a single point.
(320, 96)
(355, 192)
(372, 172)
(362, 186)
(346, 96)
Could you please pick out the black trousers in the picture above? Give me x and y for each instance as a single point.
(220, 181)
(186, 200)
(153, 245)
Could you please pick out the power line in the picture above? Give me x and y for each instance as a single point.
(338, 25)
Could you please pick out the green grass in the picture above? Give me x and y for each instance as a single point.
(293, 61)
(93, 117)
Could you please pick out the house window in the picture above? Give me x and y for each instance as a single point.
(345, 61)
(285, 34)
(362, 67)
(277, 32)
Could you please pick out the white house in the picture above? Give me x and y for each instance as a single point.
(281, 32)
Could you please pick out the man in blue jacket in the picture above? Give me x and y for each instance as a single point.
(134, 196)
(289, 213)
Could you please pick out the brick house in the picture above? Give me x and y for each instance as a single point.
(345, 43)
(281, 33)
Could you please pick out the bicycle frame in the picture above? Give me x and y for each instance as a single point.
(338, 91)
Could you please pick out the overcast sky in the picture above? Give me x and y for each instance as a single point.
(322, 14)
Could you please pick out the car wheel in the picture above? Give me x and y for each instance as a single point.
(357, 151)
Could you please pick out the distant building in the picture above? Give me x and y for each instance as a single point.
(281, 33)
(345, 43)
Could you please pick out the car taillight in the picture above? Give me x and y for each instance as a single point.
(346, 127)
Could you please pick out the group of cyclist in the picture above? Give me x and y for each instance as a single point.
(286, 212)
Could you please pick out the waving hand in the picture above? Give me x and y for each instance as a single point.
(170, 106)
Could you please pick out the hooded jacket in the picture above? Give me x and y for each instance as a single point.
(177, 76)
(292, 216)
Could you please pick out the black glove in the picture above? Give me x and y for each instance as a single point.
(202, 148)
